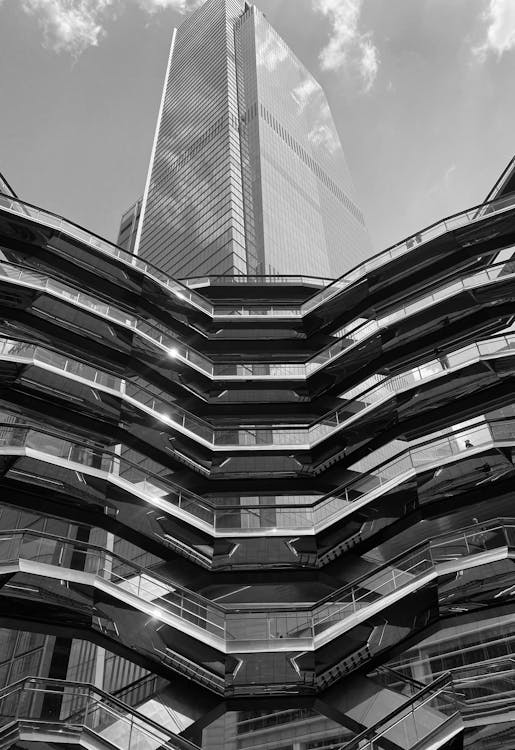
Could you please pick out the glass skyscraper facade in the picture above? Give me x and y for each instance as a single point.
(247, 174)
(129, 223)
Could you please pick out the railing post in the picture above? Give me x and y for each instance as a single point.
(87, 711)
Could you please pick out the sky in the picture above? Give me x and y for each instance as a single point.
(422, 93)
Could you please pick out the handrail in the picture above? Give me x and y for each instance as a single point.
(443, 681)
(385, 669)
(107, 697)
(351, 336)
(478, 212)
(417, 239)
(436, 688)
(100, 243)
(268, 434)
(156, 332)
(123, 560)
(346, 492)
(498, 522)
(214, 618)
(99, 451)
(259, 279)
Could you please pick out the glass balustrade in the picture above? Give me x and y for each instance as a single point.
(161, 597)
(359, 398)
(408, 567)
(58, 706)
(429, 455)
(254, 311)
(312, 517)
(45, 217)
(157, 335)
(420, 719)
(158, 491)
(256, 280)
(183, 292)
(358, 330)
(350, 336)
(449, 224)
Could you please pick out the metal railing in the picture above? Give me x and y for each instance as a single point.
(375, 477)
(405, 569)
(181, 290)
(449, 224)
(257, 280)
(158, 334)
(158, 595)
(380, 389)
(271, 626)
(51, 705)
(49, 219)
(429, 712)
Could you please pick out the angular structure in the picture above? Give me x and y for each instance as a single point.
(257, 514)
(247, 173)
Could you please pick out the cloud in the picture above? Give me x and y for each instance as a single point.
(443, 182)
(448, 173)
(304, 91)
(69, 26)
(369, 64)
(500, 32)
(74, 25)
(182, 6)
(323, 135)
(347, 45)
(323, 132)
(271, 50)
(344, 17)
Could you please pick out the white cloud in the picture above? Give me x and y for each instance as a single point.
(69, 26)
(347, 45)
(74, 25)
(304, 91)
(344, 17)
(183, 6)
(443, 183)
(449, 173)
(500, 32)
(369, 64)
(271, 50)
(323, 135)
(323, 132)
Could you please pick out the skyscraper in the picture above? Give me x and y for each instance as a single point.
(128, 230)
(247, 173)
